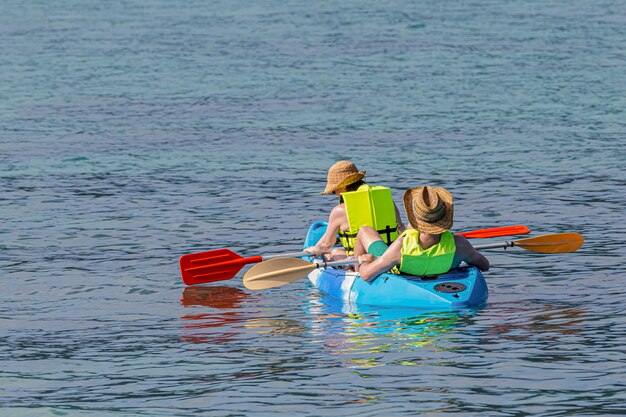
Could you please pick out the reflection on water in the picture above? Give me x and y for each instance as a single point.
(218, 296)
(268, 326)
(545, 333)
(368, 337)
(228, 316)
(549, 318)
(222, 298)
(353, 331)
(521, 350)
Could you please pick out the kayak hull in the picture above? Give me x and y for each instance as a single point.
(457, 289)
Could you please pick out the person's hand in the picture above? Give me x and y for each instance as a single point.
(366, 259)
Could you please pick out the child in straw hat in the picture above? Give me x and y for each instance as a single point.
(427, 248)
(344, 177)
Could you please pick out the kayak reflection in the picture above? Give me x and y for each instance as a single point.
(346, 328)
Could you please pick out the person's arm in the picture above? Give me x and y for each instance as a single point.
(328, 240)
(370, 268)
(465, 252)
(401, 227)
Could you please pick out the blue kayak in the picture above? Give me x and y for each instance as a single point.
(457, 289)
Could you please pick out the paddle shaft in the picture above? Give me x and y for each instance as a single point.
(500, 245)
(321, 265)
(286, 255)
(280, 271)
(339, 263)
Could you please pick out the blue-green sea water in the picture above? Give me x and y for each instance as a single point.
(132, 132)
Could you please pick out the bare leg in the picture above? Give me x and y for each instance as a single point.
(364, 239)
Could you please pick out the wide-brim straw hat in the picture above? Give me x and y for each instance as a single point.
(429, 209)
(342, 174)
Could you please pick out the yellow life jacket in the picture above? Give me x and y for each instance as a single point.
(369, 205)
(432, 261)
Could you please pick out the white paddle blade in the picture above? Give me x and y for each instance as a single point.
(276, 272)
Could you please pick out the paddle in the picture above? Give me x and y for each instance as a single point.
(281, 271)
(223, 264)
(219, 265)
(518, 229)
(555, 243)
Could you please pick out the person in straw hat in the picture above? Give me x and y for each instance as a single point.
(427, 247)
(359, 205)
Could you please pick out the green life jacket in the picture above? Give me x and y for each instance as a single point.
(432, 261)
(369, 205)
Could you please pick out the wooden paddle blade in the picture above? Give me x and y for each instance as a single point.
(555, 243)
(210, 266)
(276, 272)
(518, 229)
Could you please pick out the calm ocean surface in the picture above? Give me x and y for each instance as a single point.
(132, 132)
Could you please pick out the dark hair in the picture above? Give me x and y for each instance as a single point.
(355, 186)
(352, 187)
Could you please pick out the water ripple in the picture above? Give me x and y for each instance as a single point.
(131, 134)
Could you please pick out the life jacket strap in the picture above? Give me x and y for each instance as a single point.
(384, 233)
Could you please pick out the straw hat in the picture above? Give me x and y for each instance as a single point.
(342, 174)
(429, 209)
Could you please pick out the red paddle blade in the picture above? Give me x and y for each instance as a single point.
(518, 229)
(213, 265)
